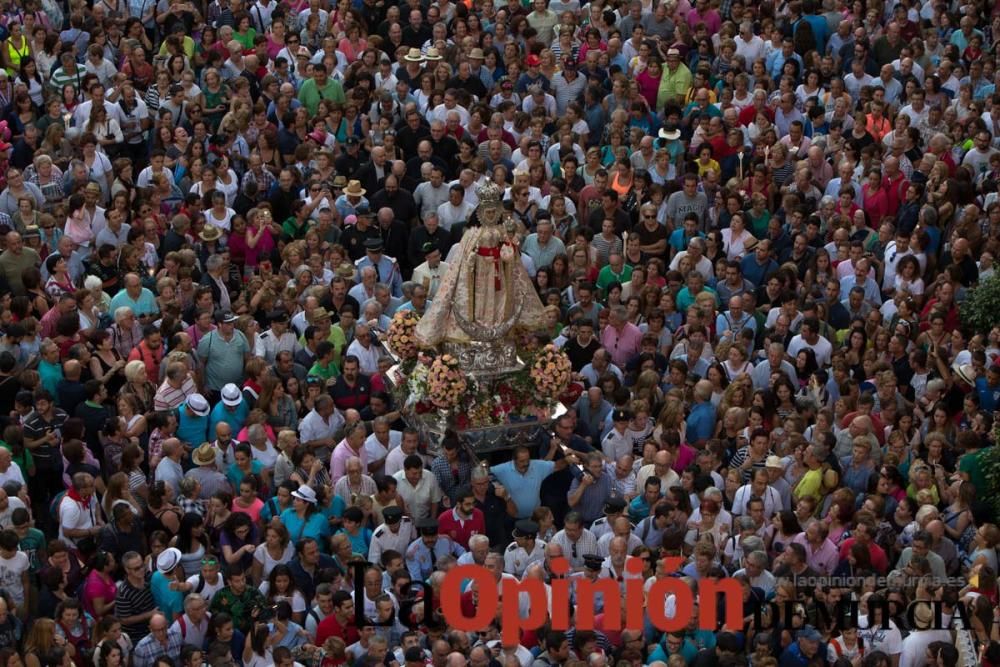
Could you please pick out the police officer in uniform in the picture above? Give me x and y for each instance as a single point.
(349, 161)
(276, 339)
(385, 266)
(354, 236)
(593, 571)
(524, 550)
(394, 535)
(612, 510)
(616, 443)
(423, 553)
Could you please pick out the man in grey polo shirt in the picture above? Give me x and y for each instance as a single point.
(223, 352)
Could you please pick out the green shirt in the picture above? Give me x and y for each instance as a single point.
(971, 465)
(25, 461)
(237, 606)
(310, 94)
(223, 360)
(607, 276)
(325, 372)
(31, 544)
(293, 230)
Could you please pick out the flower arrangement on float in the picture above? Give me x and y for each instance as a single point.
(437, 385)
(401, 336)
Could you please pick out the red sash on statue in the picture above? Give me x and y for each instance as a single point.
(495, 254)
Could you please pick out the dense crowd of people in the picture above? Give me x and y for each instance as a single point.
(752, 226)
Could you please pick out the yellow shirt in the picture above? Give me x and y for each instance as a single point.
(711, 164)
(811, 484)
(674, 86)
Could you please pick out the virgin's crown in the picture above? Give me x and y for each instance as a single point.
(490, 193)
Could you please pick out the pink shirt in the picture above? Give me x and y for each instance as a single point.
(253, 511)
(96, 587)
(338, 460)
(823, 560)
(621, 345)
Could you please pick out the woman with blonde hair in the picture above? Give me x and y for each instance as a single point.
(41, 639)
(671, 417)
(137, 384)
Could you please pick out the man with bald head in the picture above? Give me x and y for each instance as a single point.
(373, 173)
(396, 198)
(860, 427)
(660, 467)
(960, 255)
(159, 643)
(14, 261)
(140, 299)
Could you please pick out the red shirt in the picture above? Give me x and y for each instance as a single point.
(879, 560)
(330, 627)
(458, 530)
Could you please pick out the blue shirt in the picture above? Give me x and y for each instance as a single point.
(388, 272)
(523, 488)
(754, 272)
(820, 28)
(144, 305)
(679, 239)
(171, 603)
(316, 526)
(235, 418)
(701, 422)
(192, 430)
(989, 397)
(359, 542)
(235, 476)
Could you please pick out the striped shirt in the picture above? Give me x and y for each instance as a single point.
(132, 601)
(575, 551)
(60, 77)
(169, 398)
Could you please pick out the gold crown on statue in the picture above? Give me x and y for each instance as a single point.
(490, 193)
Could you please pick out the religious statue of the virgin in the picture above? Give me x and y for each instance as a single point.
(487, 293)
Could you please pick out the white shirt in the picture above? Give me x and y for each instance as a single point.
(751, 49)
(313, 427)
(367, 356)
(418, 498)
(888, 641)
(822, 348)
(449, 214)
(440, 112)
(74, 515)
(13, 473)
(376, 450)
(772, 500)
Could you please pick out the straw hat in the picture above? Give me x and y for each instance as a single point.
(354, 189)
(204, 455)
(414, 56)
(210, 233)
(432, 54)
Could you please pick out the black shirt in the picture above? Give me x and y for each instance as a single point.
(580, 355)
